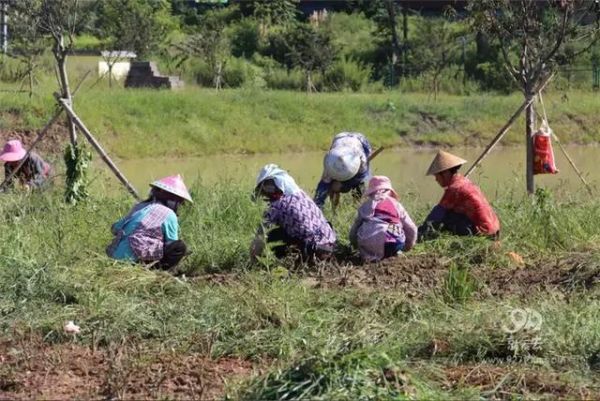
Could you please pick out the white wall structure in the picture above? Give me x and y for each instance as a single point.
(119, 70)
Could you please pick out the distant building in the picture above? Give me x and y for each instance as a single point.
(117, 61)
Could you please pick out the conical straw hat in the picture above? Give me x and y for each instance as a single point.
(173, 184)
(444, 161)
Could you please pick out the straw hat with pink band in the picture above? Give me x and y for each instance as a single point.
(380, 184)
(13, 151)
(174, 185)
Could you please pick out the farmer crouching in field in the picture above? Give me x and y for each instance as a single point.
(150, 232)
(33, 174)
(463, 209)
(292, 218)
(346, 167)
(382, 227)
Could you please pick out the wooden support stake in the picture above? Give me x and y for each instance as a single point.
(33, 145)
(77, 121)
(589, 189)
(571, 162)
(505, 128)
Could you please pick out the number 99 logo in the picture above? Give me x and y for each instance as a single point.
(522, 319)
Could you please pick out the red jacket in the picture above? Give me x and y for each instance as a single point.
(462, 196)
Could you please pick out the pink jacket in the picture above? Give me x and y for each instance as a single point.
(380, 221)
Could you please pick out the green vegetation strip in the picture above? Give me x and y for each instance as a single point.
(338, 343)
(194, 122)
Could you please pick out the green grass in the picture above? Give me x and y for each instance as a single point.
(317, 343)
(194, 121)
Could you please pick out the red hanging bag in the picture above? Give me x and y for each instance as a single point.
(543, 155)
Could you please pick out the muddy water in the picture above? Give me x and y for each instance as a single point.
(501, 172)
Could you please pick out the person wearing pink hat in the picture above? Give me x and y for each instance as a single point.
(34, 173)
(382, 228)
(150, 231)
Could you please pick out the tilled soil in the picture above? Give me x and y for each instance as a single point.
(53, 142)
(419, 275)
(33, 369)
(509, 382)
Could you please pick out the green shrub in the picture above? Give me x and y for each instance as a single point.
(244, 38)
(280, 78)
(347, 74)
(352, 34)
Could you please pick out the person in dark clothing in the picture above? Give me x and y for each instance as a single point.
(34, 173)
(346, 167)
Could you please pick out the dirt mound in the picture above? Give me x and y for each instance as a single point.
(414, 275)
(574, 272)
(54, 141)
(33, 369)
(510, 382)
(418, 275)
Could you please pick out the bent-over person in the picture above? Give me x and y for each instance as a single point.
(292, 218)
(150, 231)
(383, 228)
(33, 174)
(463, 209)
(345, 167)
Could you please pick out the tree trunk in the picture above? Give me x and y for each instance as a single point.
(391, 11)
(30, 76)
(404, 41)
(60, 54)
(529, 131)
(218, 75)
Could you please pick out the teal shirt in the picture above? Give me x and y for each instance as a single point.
(170, 230)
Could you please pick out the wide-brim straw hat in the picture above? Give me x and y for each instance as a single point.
(444, 161)
(173, 184)
(13, 151)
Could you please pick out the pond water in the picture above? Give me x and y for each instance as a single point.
(501, 173)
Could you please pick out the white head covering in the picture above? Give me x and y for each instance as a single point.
(342, 163)
(282, 179)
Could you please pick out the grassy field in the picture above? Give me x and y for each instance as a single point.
(195, 121)
(441, 322)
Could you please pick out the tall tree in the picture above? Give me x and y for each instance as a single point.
(209, 43)
(60, 19)
(437, 45)
(270, 13)
(136, 25)
(310, 49)
(385, 14)
(533, 37)
(27, 44)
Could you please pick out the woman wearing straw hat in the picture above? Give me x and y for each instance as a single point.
(34, 173)
(150, 232)
(382, 227)
(463, 209)
(292, 219)
(345, 167)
